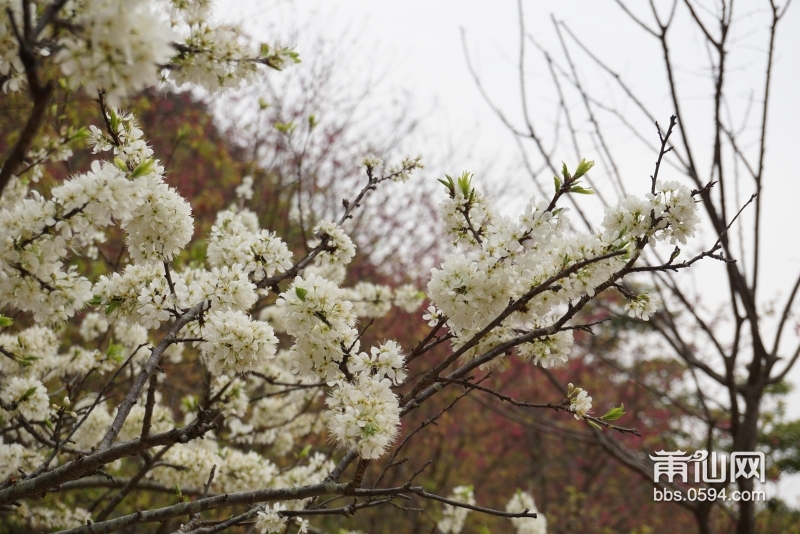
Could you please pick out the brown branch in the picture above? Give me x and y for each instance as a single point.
(148, 408)
(132, 483)
(89, 464)
(147, 370)
(41, 96)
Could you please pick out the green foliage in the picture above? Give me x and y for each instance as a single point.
(614, 413)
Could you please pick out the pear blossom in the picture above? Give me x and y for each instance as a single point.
(236, 344)
(116, 45)
(364, 415)
(269, 521)
(26, 396)
(338, 247)
(521, 501)
(385, 360)
(160, 227)
(581, 403)
(453, 517)
(643, 306)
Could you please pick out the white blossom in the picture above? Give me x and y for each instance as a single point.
(370, 300)
(161, 420)
(187, 465)
(92, 431)
(10, 63)
(520, 502)
(237, 240)
(643, 306)
(93, 326)
(14, 456)
(321, 321)
(453, 517)
(549, 351)
(408, 298)
(243, 471)
(115, 45)
(26, 396)
(160, 227)
(236, 344)
(364, 415)
(385, 360)
(678, 209)
(34, 349)
(55, 517)
(245, 190)
(581, 403)
(337, 246)
(269, 521)
(128, 145)
(225, 288)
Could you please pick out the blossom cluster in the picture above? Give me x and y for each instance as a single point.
(237, 240)
(534, 264)
(364, 415)
(507, 278)
(121, 47)
(521, 501)
(580, 402)
(453, 517)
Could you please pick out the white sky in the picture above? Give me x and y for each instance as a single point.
(417, 43)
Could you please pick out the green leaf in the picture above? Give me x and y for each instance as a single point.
(113, 305)
(27, 395)
(113, 120)
(312, 121)
(580, 190)
(145, 167)
(81, 134)
(557, 183)
(302, 454)
(27, 360)
(301, 293)
(614, 413)
(114, 351)
(598, 427)
(465, 183)
(565, 172)
(6, 321)
(285, 127)
(97, 300)
(184, 132)
(583, 167)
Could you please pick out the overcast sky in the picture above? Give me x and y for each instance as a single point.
(416, 45)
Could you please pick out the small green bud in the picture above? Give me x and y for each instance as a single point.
(301, 293)
(583, 167)
(614, 413)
